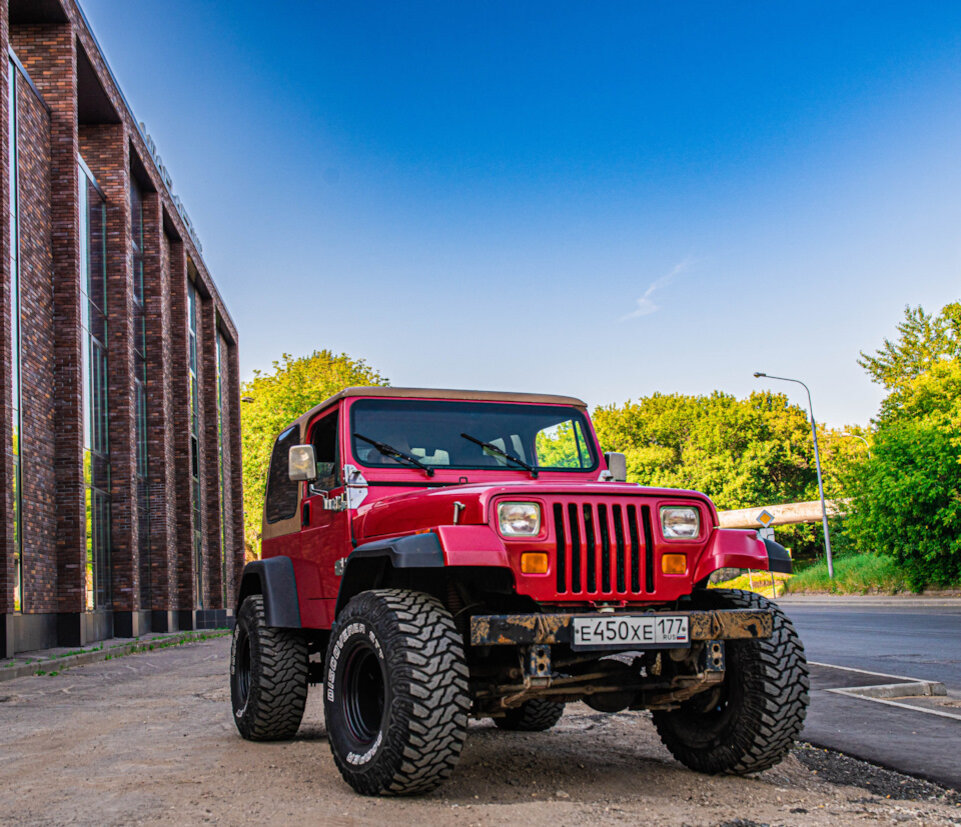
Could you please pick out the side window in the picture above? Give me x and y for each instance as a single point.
(323, 436)
(281, 503)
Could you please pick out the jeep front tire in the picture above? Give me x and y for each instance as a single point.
(268, 676)
(395, 693)
(749, 723)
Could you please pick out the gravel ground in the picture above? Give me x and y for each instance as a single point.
(148, 739)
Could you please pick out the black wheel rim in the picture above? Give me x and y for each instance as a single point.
(364, 694)
(242, 668)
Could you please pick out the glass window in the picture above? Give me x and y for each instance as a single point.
(222, 477)
(196, 509)
(281, 503)
(446, 435)
(96, 453)
(13, 177)
(323, 437)
(140, 387)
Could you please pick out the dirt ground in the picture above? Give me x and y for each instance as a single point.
(148, 739)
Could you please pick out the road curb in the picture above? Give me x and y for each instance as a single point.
(54, 664)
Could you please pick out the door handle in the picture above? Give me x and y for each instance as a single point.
(305, 515)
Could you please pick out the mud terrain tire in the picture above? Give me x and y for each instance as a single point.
(268, 676)
(395, 693)
(536, 715)
(750, 723)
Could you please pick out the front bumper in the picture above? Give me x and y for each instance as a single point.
(526, 629)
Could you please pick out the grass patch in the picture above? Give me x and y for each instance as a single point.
(757, 581)
(853, 574)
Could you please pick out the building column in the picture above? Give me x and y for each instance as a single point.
(236, 541)
(210, 454)
(155, 571)
(49, 54)
(181, 560)
(6, 433)
(104, 148)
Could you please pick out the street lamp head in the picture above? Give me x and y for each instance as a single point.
(758, 373)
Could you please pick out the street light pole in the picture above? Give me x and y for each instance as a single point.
(866, 443)
(817, 464)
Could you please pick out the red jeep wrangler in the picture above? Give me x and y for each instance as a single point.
(431, 555)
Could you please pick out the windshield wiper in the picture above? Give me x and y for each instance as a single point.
(391, 451)
(502, 453)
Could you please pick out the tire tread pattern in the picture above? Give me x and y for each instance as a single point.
(535, 715)
(278, 677)
(776, 684)
(429, 678)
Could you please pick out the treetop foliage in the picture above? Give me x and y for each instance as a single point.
(741, 452)
(293, 386)
(907, 496)
(923, 340)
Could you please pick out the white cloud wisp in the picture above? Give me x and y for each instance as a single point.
(645, 304)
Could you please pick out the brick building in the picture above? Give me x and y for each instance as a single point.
(120, 391)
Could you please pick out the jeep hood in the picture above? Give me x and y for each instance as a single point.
(423, 509)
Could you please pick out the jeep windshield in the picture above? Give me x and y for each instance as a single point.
(442, 434)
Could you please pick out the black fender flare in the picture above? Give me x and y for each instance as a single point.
(416, 551)
(273, 578)
(778, 558)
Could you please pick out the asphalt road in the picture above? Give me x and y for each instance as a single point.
(910, 638)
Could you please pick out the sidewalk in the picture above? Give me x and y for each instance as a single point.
(53, 661)
(907, 601)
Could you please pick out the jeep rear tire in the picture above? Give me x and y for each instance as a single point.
(395, 693)
(535, 715)
(268, 676)
(749, 723)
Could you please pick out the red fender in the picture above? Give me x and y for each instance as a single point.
(732, 548)
(471, 545)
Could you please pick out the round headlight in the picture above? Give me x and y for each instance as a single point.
(680, 522)
(519, 519)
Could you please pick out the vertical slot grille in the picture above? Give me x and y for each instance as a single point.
(648, 548)
(619, 548)
(604, 531)
(635, 548)
(590, 547)
(575, 548)
(560, 560)
(603, 548)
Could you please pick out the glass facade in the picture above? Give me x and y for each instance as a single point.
(15, 448)
(193, 300)
(140, 388)
(222, 475)
(93, 335)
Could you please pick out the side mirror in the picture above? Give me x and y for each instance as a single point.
(301, 463)
(616, 464)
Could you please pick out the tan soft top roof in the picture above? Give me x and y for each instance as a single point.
(438, 393)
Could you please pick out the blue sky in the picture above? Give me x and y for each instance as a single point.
(603, 200)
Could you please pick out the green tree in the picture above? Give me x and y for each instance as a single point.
(277, 398)
(907, 497)
(909, 501)
(923, 340)
(740, 452)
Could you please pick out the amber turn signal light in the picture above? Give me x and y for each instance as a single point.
(674, 563)
(534, 562)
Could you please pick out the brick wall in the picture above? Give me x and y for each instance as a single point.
(39, 481)
(54, 129)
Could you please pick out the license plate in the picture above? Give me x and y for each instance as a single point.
(625, 631)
